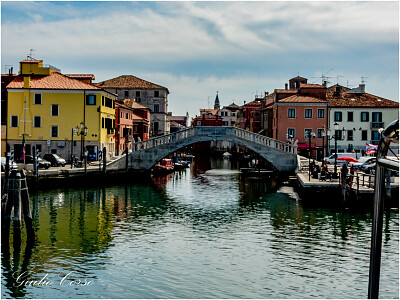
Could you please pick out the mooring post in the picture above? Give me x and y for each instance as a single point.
(104, 159)
(26, 209)
(388, 189)
(15, 198)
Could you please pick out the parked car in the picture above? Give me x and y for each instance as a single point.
(331, 159)
(13, 166)
(369, 169)
(365, 160)
(42, 163)
(55, 160)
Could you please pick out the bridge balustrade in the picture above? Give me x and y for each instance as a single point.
(238, 132)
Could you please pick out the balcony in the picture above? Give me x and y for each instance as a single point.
(377, 125)
(110, 131)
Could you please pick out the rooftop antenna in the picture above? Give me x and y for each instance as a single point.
(348, 84)
(6, 67)
(337, 78)
(208, 101)
(362, 79)
(30, 53)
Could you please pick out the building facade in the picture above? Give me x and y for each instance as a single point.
(359, 116)
(148, 94)
(45, 106)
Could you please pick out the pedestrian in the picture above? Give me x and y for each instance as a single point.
(352, 172)
(344, 171)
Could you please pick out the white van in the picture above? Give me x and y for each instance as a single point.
(331, 159)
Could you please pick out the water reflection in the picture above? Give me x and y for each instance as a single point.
(199, 233)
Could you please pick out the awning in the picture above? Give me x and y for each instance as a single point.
(305, 146)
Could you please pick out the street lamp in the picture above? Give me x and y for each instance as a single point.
(323, 133)
(309, 136)
(74, 130)
(82, 131)
(336, 137)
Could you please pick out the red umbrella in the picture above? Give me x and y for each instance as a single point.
(348, 158)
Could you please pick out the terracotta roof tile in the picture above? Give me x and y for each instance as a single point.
(284, 91)
(54, 81)
(311, 85)
(83, 76)
(344, 99)
(129, 81)
(302, 99)
(31, 61)
(133, 104)
(253, 103)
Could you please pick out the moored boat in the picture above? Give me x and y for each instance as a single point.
(165, 166)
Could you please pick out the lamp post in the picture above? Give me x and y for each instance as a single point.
(323, 142)
(309, 135)
(74, 130)
(82, 131)
(336, 127)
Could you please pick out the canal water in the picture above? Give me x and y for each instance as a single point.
(201, 233)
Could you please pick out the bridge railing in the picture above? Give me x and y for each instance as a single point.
(208, 130)
(165, 139)
(264, 140)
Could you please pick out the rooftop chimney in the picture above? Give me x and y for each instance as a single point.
(362, 87)
(286, 86)
(244, 102)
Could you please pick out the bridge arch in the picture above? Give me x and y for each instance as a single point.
(147, 153)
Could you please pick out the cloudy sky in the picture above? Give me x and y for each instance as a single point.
(197, 48)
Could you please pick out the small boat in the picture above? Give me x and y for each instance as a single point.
(255, 172)
(165, 166)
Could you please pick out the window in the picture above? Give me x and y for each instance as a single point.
(126, 94)
(137, 93)
(364, 116)
(54, 110)
(375, 135)
(291, 113)
(364, 135)
(156, 93)
(224, 123)
(91, 100)
(38, 99)
(338, 116)
(155, 127)
(54, 131)
(308, 113)
(198, 123)
(376, 117)
(321, 113)
(156, 108)
(102, 122)
(338, 134)
(307, 131)
(349, 135)
(126, 116)
(14, 121)
(233, 114)
(109, 102)
(290, 133)
(319, 133)
(349, 116)
(37, 121)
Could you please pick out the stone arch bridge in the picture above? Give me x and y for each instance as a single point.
(146, 154)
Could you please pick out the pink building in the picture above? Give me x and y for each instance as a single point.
(296, 114)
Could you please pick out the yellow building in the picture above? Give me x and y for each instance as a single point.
(46, 106)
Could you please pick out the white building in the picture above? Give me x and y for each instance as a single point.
(229, 114)
(360, 114)
(148, 94)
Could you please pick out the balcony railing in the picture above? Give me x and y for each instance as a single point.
(110, 131)
(377, 125)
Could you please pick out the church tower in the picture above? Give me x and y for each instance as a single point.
(216, 103)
